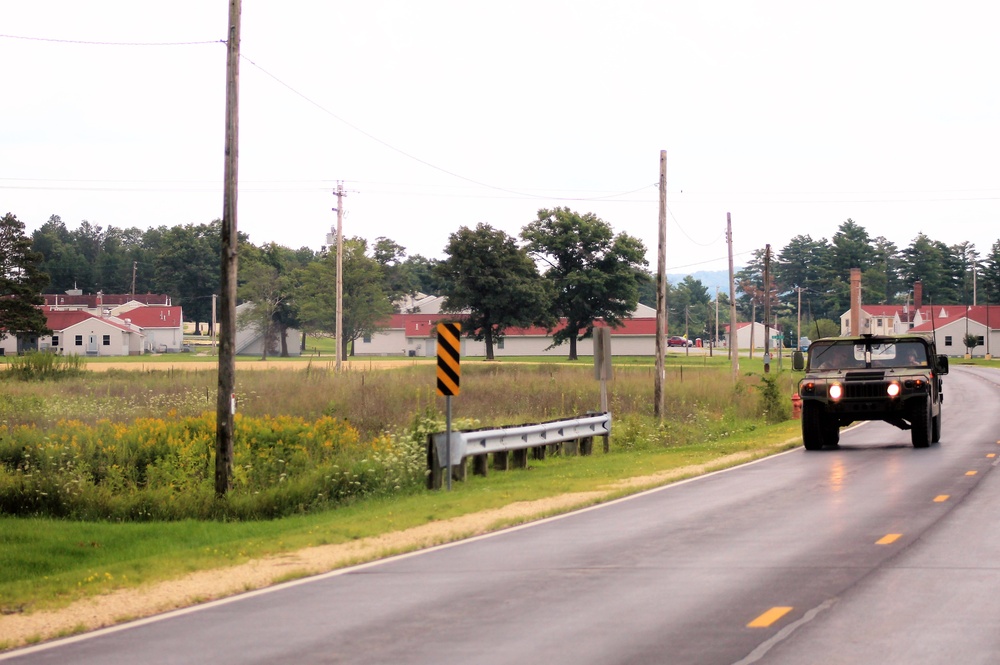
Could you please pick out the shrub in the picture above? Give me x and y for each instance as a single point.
(34, 366)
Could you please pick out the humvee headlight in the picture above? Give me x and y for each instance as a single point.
(836, 391)
(892, 389)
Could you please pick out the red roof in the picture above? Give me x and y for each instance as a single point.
(154, 317)
(933, 316)
(423, 325)
(58, 320)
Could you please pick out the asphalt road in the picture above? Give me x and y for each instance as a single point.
(873, 553)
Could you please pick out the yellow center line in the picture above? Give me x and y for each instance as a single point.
(991, 455)
(970, 473)
(941, 497)
(888, 538)
(768, 618)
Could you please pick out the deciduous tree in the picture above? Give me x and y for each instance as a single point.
(493, 283)
(594, 273)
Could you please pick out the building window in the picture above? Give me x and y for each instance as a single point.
(55, 340)
(980, 341)
(879, 324)
(500, 343)
(79, 340)
(107, 340)
(947, 340)
(367, 339)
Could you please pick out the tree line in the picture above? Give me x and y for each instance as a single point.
(563, 266)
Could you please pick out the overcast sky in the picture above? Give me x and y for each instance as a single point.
(792, 116)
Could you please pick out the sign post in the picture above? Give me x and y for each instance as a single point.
(449, 371)
(602, 362)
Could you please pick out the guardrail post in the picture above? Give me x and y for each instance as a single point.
(480, 464)
(571, 448)
(520, 460)
(586, 445)
(501, 460)
(538, 452)
(433, 467)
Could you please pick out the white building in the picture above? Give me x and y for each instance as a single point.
(414, 334)
(79, 332)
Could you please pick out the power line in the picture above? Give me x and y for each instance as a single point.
(418, 159)
(99, 43)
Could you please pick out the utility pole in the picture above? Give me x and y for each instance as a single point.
(767, 308)
(734, 347)
(135, 264)
(798, 314)
(711, 349)
(687, 339)
(215, 329)
(340, 274)
(661, 293)
(225, 400)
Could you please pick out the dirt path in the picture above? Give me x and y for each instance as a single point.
(134, 603)
(298, 364)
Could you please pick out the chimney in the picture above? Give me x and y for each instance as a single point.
(918, 294)
(855, 301)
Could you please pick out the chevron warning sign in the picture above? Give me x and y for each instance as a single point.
(449, 370)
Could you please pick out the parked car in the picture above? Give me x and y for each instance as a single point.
(676, 340)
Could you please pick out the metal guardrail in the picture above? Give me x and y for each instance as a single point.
(515, 438)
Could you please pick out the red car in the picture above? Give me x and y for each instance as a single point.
(675, 340)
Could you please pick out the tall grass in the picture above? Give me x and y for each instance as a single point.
(139, 445)
(36, 366)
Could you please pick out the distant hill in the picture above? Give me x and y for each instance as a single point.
(710, 278)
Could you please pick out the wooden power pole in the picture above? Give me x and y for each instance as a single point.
(661, 293)
(767, 308)
(340, 275)
(226, 398)
(734, 347)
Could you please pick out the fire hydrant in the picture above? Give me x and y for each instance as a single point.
(796, 406)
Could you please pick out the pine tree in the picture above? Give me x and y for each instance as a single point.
(21, 282)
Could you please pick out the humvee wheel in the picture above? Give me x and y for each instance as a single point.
(922, 429)
(812, 426)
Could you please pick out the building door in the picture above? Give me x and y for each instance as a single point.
(92, 345)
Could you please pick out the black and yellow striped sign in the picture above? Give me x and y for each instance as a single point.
(449, 369)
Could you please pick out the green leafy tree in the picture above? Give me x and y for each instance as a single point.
(850, 247)
(493, 283)
(990, 282)
(21, 283)
(65, 266)
(799, 264)
(187, 266)
(268, 279)
(887, 285)
(971, 342)
(691, 308)
(594, 273)
(262, 286)
(932, 264)
(421, 271)
(366, 305)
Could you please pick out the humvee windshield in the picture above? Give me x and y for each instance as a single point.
(852, 355)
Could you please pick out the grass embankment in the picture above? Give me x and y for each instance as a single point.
(49, 562)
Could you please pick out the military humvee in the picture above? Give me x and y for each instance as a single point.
(895, 378)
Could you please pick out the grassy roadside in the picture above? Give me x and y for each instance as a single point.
(49, 563)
